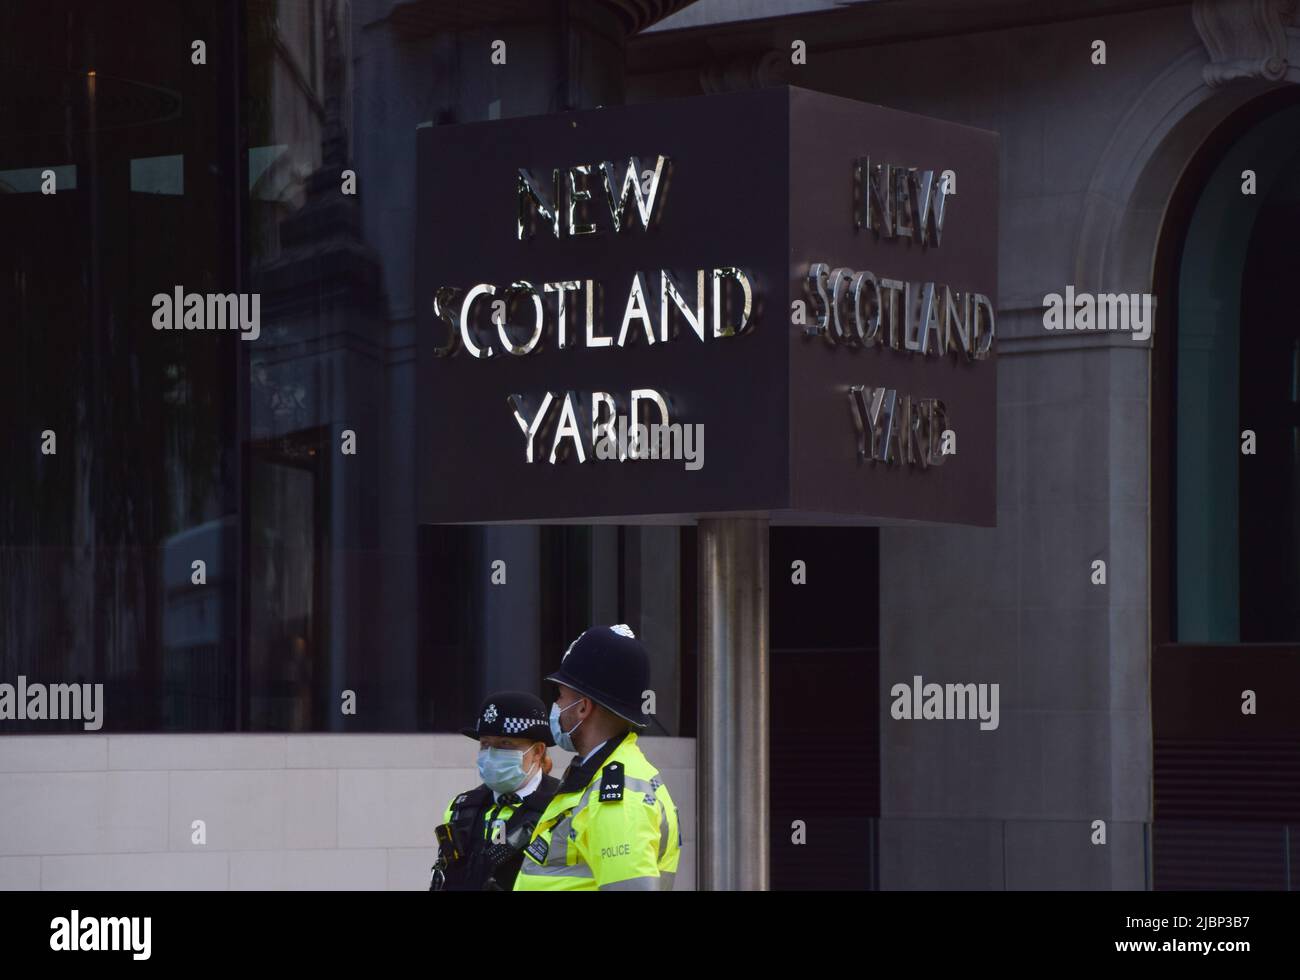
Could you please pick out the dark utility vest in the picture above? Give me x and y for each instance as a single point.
(482, 865)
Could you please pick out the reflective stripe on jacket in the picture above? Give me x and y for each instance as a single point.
(612, 825)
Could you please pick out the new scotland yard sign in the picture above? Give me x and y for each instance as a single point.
(784, 283)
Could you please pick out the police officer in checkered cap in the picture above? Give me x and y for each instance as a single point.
(484, 830)
(611, 825)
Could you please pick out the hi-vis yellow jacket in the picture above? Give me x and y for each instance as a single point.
(610, 826)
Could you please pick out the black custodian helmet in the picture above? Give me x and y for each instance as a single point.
(609, 665)
(513, 714)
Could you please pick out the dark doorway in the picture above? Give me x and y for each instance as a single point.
(1269, 480)
(825, 734)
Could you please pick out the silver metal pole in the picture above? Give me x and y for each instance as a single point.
(732, 752)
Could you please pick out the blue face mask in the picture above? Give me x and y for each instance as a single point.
(502, 770)
(562, 738)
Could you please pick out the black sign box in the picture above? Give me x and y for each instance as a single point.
(763, 182)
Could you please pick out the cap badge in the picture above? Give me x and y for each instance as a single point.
(491, 714)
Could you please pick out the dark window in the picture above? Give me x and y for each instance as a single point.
(477, 637)
(95, 556)
(202, 542)
(1270, 405)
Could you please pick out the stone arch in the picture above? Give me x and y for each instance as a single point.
(1126, 201)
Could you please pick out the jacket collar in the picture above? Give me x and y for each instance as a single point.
(578, 776)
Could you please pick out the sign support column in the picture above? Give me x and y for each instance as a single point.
(732, 748)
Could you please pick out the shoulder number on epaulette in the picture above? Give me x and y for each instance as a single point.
(537, 850)
(611, 783)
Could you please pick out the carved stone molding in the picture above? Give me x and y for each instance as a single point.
(744, 74)
(1245, 38)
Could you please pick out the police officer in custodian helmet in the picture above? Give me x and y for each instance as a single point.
(485, 829)
(611, 824)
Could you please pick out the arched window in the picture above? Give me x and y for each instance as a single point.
(1236, 383)
(1225, 523)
